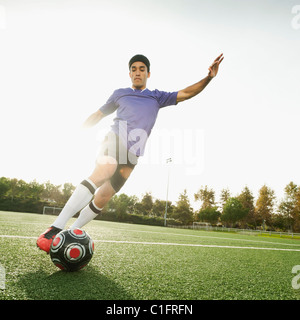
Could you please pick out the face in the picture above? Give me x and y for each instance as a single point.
(139, 75)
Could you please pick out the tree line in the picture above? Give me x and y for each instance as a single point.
(241, 210)
(19, 195)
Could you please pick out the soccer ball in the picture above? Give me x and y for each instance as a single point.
(71, 249)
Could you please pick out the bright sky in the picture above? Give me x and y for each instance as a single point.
(60, 61)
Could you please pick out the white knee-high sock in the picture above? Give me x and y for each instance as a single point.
(87, 214)
(81, 196)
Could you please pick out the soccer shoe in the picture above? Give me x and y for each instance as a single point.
(45, 239)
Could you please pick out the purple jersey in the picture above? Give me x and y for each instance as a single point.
(136, 114)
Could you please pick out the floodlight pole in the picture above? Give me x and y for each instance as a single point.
(165, 217)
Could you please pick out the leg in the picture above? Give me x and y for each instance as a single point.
(81, 196)
(112, 186)
(104, 170)
(103, 195)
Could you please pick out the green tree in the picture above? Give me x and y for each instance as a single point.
(13, 189)
(183, 210)
(233, 211)
(159, 208)
(147, 204)
(35, 190)
(206, 196)
(264, 208)
(247, 199)
(279, 222)
(289, 207)
(52, 193)
(67, 191)
(225, 195)
(121, 205)
(210, 215)
(4, 187)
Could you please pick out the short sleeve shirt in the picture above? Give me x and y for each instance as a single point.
(137, 111)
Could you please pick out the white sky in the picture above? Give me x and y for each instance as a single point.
(61, 60)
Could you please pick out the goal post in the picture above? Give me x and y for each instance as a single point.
(52, 210)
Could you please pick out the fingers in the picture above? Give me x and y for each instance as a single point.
(214, 64)
(217, 61)
(219, 57)
(213, 68)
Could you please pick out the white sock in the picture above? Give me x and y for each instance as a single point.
(87, 214)
(81, 196)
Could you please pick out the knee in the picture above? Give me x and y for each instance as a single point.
(104, 194)
(120, 176)
(102, 173)
(107, 194)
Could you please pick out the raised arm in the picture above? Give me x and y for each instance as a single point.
(196, 88)
(93, 119)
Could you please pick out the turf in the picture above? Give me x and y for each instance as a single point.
(143, 262)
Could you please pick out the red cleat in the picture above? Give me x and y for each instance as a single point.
(44, 241)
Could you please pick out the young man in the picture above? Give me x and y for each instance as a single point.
(137, 109)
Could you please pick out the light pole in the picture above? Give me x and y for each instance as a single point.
(165, 217)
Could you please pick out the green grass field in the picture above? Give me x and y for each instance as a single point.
(142, 262)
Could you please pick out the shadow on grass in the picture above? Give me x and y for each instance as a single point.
(86, 284)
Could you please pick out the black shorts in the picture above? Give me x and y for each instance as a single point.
(113, 147)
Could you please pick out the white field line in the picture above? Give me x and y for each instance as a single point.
(17, 237)
(168, 244)
(211, 237)
(194, 245)
(183, 235)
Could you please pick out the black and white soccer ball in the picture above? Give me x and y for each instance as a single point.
(72, 249)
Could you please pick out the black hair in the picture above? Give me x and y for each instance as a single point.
(141, 58)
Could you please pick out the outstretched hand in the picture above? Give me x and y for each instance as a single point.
(214, 68)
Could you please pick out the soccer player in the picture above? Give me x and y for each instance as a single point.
(137, 109)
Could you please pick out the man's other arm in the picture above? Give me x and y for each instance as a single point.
(93, 119)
